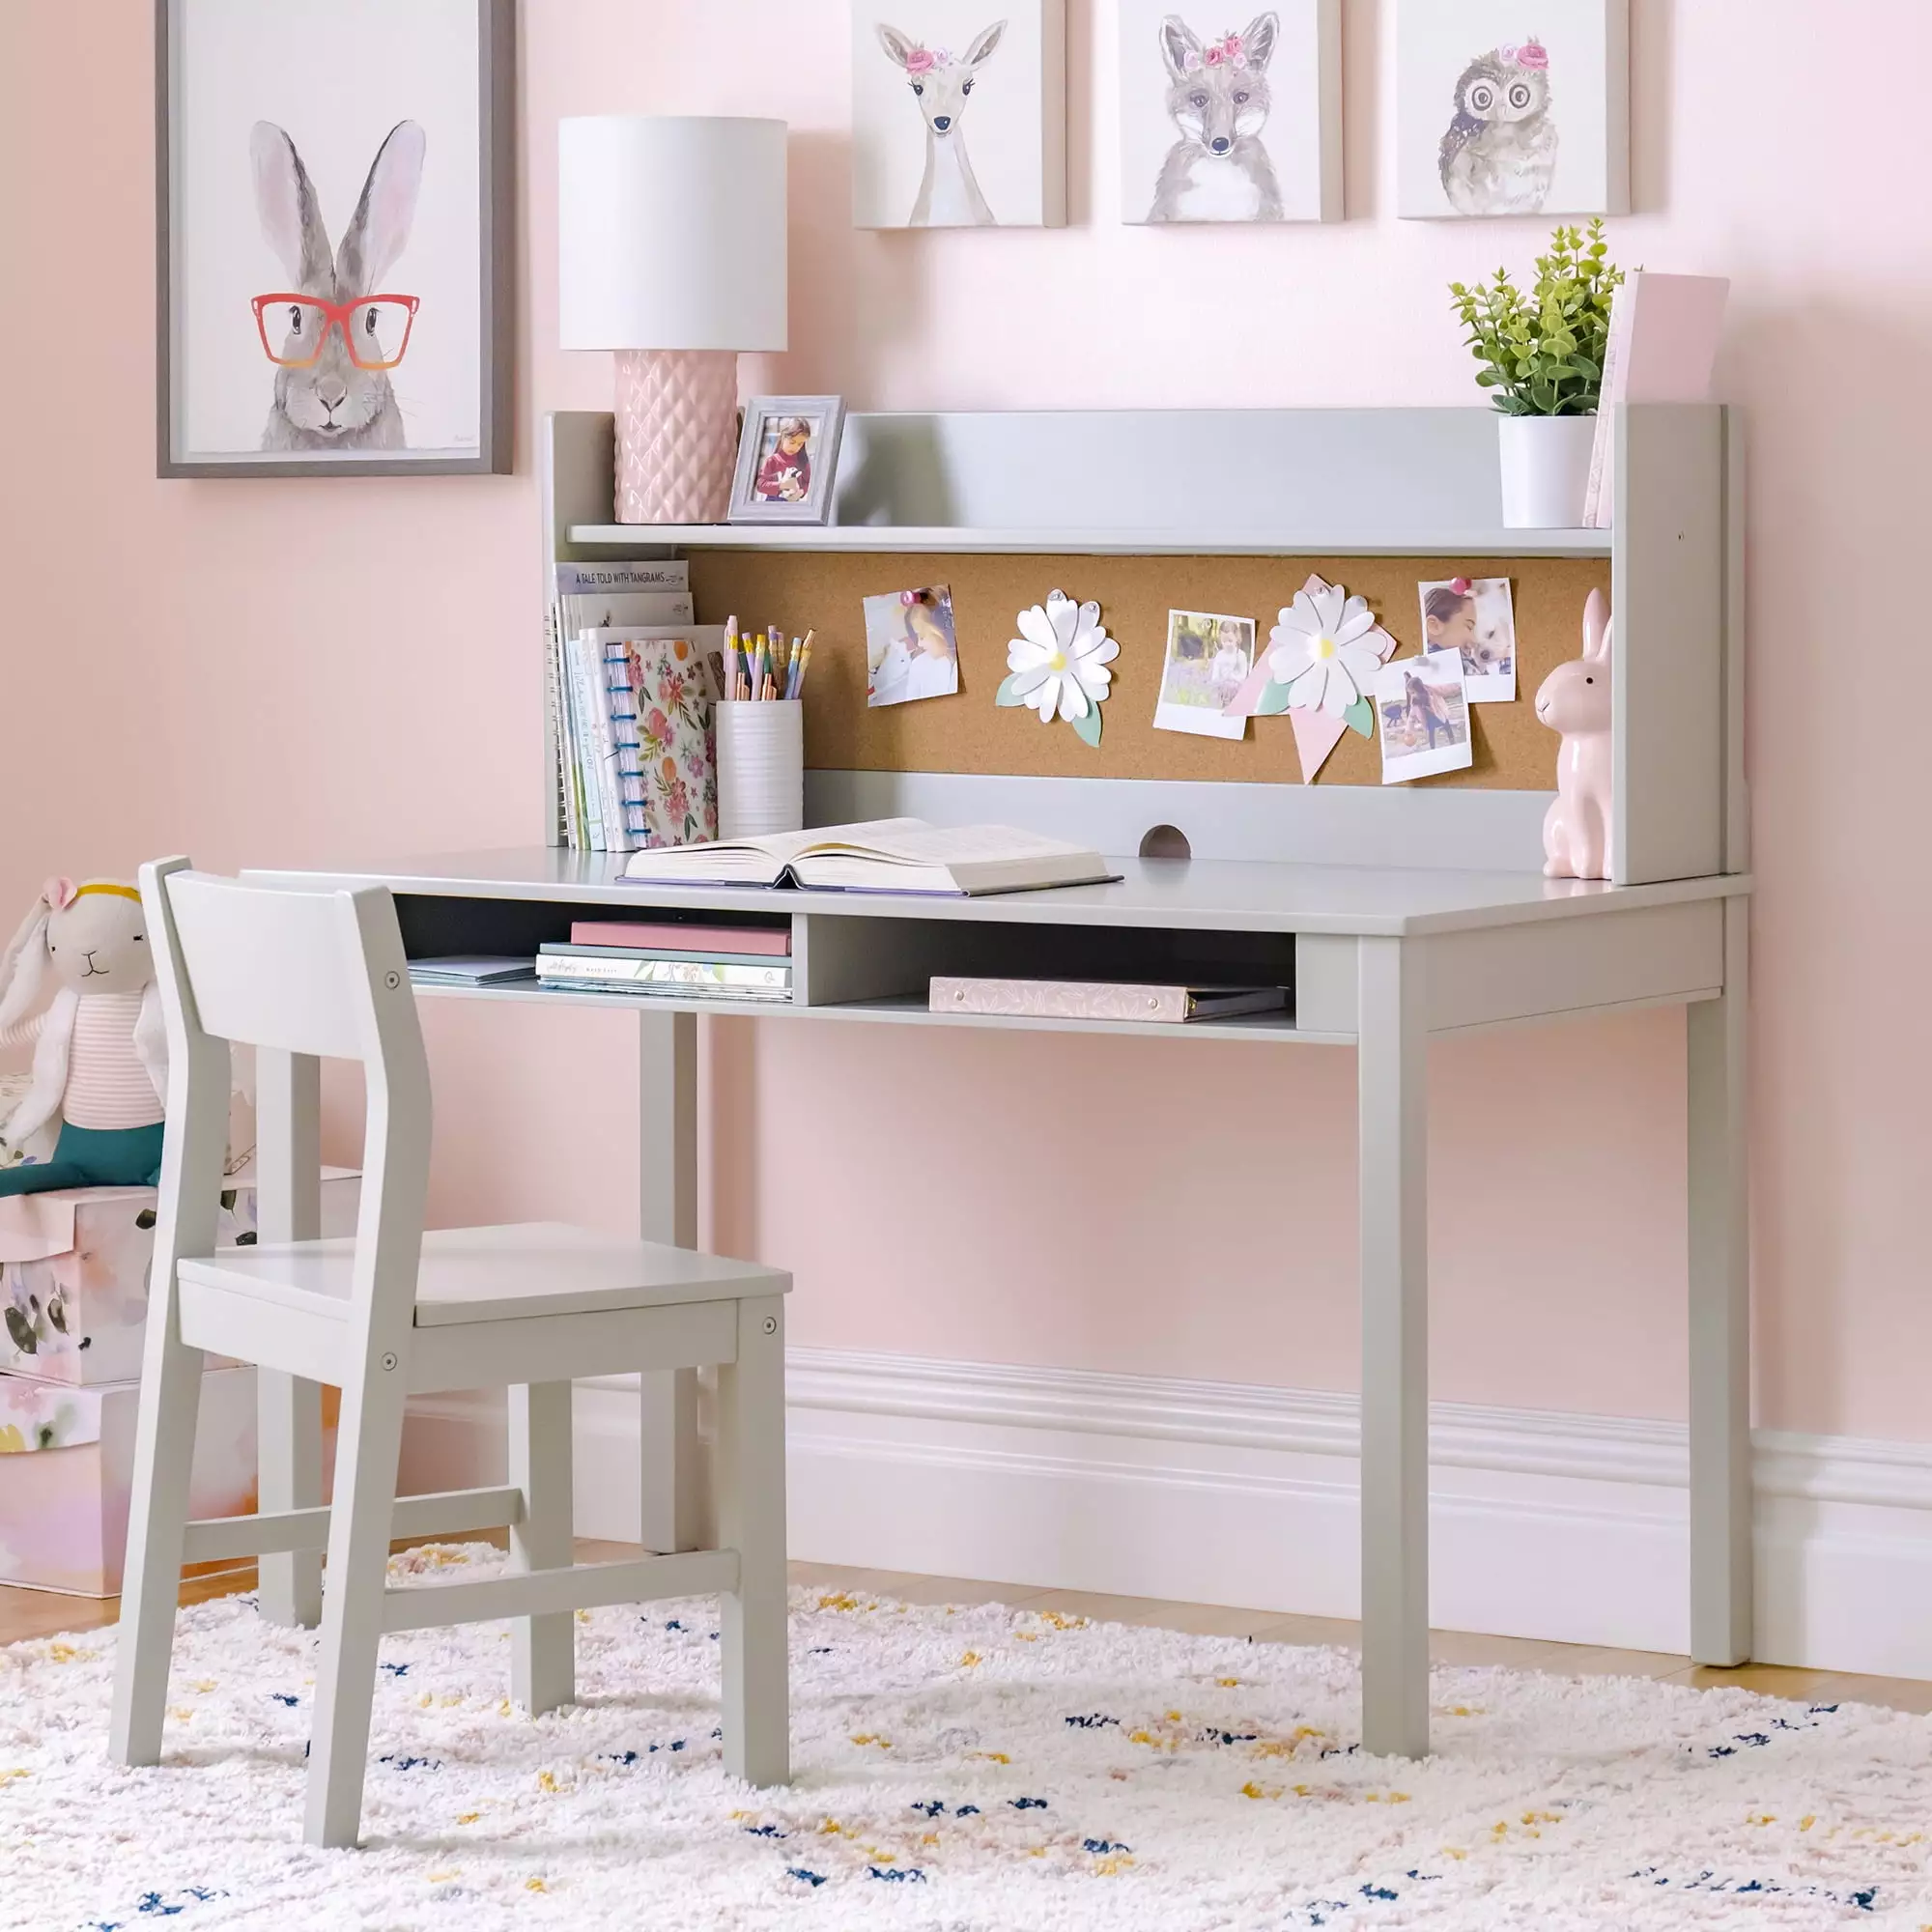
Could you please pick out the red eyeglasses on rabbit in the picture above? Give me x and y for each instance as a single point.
(332, 388)
(376, 329)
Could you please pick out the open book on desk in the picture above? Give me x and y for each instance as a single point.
(885, 855)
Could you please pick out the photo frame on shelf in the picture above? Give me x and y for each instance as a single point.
(787, 460)
(1503, 111)
(1229, 111)
(335, 240)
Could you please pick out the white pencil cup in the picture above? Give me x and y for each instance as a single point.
(760, 767)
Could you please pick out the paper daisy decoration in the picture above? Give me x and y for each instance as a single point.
(1323, 655)
(1319, 667)
(1059, 663)
(1324, 651)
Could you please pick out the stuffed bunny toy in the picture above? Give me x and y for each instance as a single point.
(331, 393)
(1575, 700)
(101, 1058)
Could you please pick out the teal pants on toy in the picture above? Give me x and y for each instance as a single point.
(92, 1157)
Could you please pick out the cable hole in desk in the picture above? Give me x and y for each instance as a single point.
(1165, 841)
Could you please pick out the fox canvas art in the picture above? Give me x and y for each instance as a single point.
(1218, 99)
(1230, 122)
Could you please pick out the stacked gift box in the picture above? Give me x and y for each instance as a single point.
(73, 1301)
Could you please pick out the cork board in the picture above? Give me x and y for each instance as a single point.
(969, 734)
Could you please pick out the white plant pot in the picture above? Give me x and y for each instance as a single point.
(1546, 470)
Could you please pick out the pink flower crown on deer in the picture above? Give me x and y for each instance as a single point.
(1531, 54)
(923, 60)
(1226, 51)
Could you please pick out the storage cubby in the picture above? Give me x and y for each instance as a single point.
(434, 924)
(861, 967)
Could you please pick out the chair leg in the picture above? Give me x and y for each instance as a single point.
(157, 1519)
(543, 1654)
(752, 1520)
(369, 1445)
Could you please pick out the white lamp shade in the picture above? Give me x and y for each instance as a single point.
(670, 232)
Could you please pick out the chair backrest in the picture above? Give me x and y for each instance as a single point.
(316, 973)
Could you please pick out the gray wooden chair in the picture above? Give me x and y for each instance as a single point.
(396, 1311)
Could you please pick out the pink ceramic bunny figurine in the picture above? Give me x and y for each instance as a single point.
(1575, 700)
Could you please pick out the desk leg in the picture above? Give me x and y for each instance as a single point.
(1720, 1245)
(288, 1409)
(1393, 1076)
(671, 1472)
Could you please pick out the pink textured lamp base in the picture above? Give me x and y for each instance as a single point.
(678, 434)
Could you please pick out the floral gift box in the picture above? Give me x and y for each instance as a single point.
(67, 1471)
(73, 1272)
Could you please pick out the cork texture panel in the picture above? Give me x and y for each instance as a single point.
(969, 734)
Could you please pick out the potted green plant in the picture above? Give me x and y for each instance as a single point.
(1542, 355)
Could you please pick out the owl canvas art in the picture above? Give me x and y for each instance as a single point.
(1511, 108)
(1499, 154)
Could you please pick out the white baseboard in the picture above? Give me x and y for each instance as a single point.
(1565, 1528)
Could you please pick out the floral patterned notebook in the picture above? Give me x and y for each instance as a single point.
(670, 780)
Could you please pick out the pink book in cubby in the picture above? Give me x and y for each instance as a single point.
(639, 936)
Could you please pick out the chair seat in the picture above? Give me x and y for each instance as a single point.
(493, 1275)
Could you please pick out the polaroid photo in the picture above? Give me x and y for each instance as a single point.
(787, 460)
(911, 648)
(1475, 615)
(1423, 709)
(1208, 658)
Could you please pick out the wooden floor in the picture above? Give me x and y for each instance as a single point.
(32, 1613)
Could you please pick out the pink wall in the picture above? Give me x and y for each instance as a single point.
(310, 672)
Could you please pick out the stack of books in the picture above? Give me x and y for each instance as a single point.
(472, 970)
(678, 961)
(632, 681)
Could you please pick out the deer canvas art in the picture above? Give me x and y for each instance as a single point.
(1227, 121)
(958, 114)
(941, 88)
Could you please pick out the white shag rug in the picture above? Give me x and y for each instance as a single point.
(973, 1769)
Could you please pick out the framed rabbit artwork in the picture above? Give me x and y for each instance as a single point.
(335, 244)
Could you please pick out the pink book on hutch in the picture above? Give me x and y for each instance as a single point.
(1662, 348)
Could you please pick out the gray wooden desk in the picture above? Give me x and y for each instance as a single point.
(1382, 959)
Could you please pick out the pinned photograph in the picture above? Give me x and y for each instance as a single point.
(1424, 713)
(1474, 617)
(911, 648)
(1208, 658)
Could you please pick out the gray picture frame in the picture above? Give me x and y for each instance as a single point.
(817, 506)
(496, 122)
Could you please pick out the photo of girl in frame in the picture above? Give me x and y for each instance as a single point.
(788, 458)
